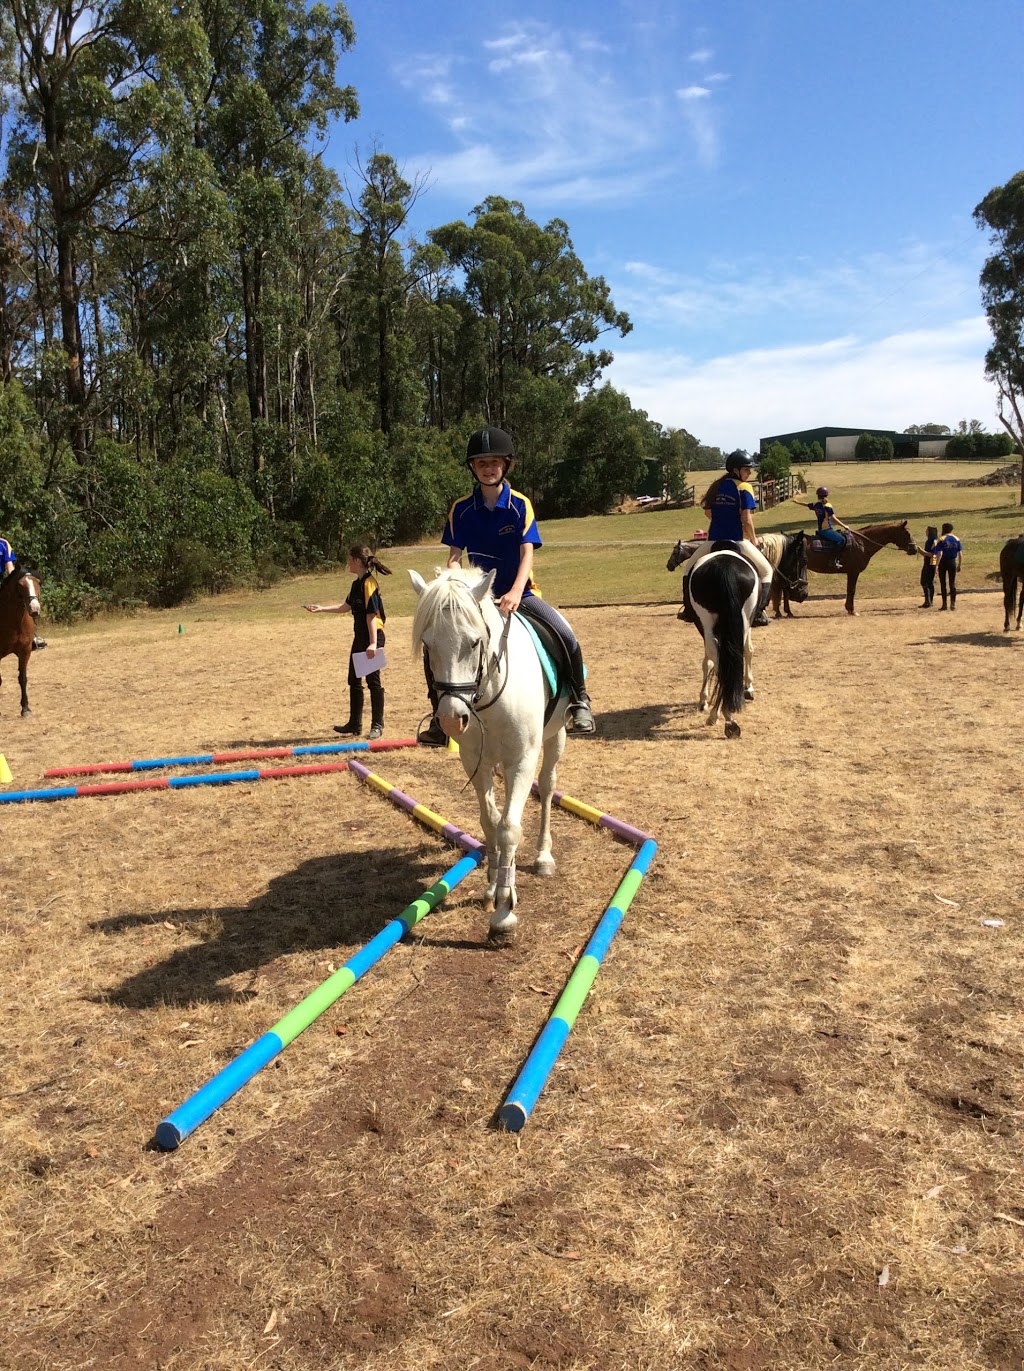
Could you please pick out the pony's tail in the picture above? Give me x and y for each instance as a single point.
(730, 631)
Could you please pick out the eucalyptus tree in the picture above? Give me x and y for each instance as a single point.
(382, 283)
(1002, 293)
(541, 312)
(96, 82)
(272, 87)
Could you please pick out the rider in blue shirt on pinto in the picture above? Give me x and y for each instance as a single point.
(495, 525)
(730, 504)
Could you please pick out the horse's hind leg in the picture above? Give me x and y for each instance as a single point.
(553, 748)
(1020, 607)
(748, 667)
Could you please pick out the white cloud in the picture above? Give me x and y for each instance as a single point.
(924, 375)
(877, 291)
(702, 55)
(568, 119)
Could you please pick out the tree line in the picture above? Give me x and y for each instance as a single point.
(218, 359)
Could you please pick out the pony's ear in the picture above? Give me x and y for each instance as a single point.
(418, 583)
(483, 587)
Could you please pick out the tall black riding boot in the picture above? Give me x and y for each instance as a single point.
(580, 714)
(433, 735)
(354, 726)
(686, 613)
(760, 619)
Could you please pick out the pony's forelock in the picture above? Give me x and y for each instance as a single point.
(449, 598)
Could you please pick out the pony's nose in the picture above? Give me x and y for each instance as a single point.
(34, 606)
(453, 716)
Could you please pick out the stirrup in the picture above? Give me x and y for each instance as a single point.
(582, 719)
(433, 735)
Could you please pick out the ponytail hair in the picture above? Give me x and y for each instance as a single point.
(369, 559)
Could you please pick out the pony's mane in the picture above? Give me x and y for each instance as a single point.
(449, 599)
(774, 546)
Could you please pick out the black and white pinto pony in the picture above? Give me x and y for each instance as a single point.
(787, 553)
(492, 698)
(724, 591)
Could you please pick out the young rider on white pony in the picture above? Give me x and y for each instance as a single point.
(496, 526)
(730, 504)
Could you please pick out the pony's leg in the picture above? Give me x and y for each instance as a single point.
(1009, 589)
(510, 832)
(851, 590)
(553, 748)
(26, 713)
(1020, 607)
(489, 817)
(711, 680)
(748, 667)
(705, 682)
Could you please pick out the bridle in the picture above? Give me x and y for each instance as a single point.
(471, 692)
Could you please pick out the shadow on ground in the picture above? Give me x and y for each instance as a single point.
(333, 902)
(646, 722)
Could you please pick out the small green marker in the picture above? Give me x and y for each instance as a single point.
(181, 628)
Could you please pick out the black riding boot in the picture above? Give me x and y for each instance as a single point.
(354, 726)
(686, 613)
(760, 618)
(433, 735)
(580, 714)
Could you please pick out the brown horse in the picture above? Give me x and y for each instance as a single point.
(1011, 568)
(19, 605)
(861, 546)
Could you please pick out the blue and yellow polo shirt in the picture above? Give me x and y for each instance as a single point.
(731, 497)
(493, 537)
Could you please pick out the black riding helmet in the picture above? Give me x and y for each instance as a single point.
(491, 442)
(738, 459)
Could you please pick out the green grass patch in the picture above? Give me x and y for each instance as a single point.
(620, 558)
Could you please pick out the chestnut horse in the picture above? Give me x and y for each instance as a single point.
(1011, 568)
(19, 605)
(861, 546)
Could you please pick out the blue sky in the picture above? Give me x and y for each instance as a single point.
(779, 194)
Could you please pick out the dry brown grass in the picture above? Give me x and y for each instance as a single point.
(784, 1132)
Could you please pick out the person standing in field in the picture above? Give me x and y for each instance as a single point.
(951, 555)
(928, 570)
(365, 605)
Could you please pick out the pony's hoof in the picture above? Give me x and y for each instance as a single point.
(732, 729)
(502, 925)
(26, 714)
(748, 694)
(544, 866)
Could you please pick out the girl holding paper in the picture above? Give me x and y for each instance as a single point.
(365, 605)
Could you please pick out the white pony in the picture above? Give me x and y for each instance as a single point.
(492, 697)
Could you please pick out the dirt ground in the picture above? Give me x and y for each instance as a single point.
(784, 1133)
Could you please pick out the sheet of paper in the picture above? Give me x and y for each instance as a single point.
(364, 665)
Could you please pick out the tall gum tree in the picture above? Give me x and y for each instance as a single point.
(96, 82)
(542, 313)
(272, 86)
(1002, 293)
